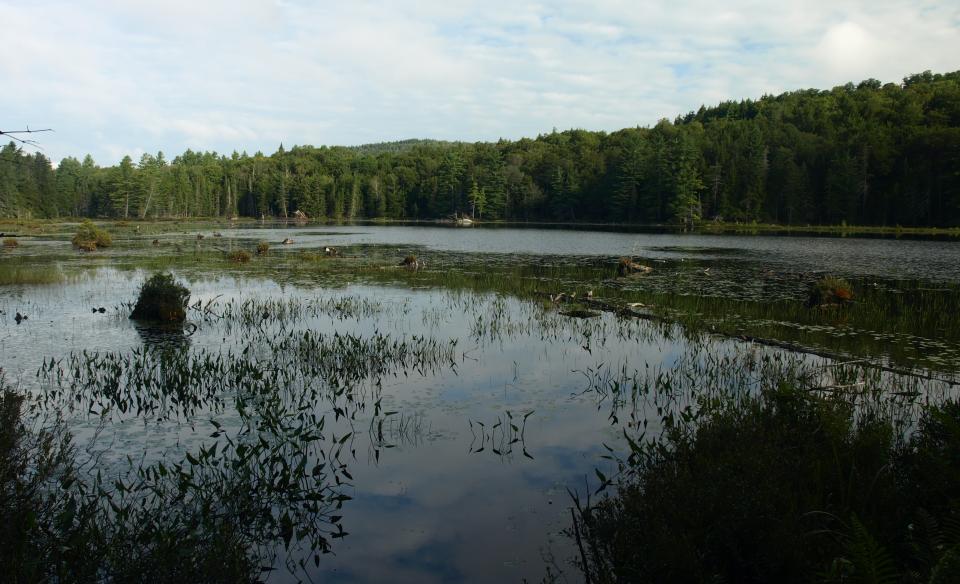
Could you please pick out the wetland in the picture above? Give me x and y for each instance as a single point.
(411, 403)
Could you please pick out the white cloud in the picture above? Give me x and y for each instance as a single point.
(117, 76)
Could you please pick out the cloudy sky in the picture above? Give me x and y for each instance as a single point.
(116, 77)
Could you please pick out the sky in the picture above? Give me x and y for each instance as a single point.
(124, 77)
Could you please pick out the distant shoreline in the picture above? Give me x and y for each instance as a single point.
(27, 227)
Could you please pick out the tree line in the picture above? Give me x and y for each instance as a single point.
(868, 154)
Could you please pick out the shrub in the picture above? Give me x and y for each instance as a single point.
(782, 487)
(240, 256)
(162, 299)
(830, 291)
(89, 237)
(263, 247)
(10, 243)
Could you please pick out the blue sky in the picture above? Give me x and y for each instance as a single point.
(119, 77)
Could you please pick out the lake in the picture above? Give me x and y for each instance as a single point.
(460, 405)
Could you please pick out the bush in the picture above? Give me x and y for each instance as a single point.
(830, 291)
(89, 237)
(10, 243)
(240, 256)
(263, 247)
(162, 299)
(783, 487)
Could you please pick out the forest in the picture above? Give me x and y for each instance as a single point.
(864, 154)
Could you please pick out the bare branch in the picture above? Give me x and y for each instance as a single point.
(26, 141)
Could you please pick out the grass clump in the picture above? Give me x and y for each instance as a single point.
(10, 243)
(830, 291)
(784, 486)
(162, 299)
(240, 256)
(263, 247)
(89, 237)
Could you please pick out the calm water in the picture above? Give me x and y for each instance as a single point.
(442, 503)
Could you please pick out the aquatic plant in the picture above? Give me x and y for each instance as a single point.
(161, 299)
(788, 482)
(830, 291)
(263, 247)
(14, 272)
(89, 237)
(218, 515)
(10, 242)
(240, 256)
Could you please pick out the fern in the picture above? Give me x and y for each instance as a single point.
(947, 570)
(870, 562)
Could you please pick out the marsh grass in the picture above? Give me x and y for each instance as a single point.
(23, 272)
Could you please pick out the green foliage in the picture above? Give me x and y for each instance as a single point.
(162, 299)
(750, 488)
(89, 237)
(867, 154)
(864, 560)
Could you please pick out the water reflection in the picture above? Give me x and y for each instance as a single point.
(171, 336)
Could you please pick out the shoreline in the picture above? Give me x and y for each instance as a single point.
(37, 226)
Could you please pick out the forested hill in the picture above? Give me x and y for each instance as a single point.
(870, 154)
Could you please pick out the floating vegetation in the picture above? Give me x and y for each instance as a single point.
(89, 237)
(162, 299)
